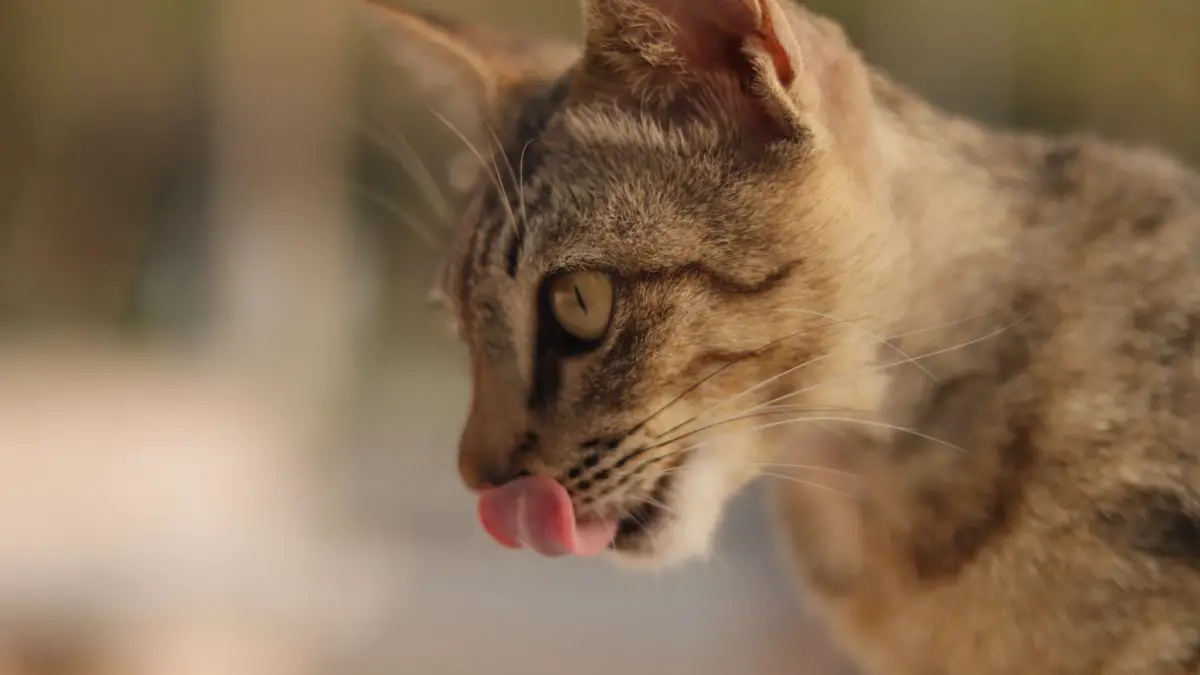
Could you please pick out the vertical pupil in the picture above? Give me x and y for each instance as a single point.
(579, 299)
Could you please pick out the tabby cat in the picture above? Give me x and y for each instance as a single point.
(713, 242)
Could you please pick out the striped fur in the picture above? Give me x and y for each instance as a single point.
(1024, 499)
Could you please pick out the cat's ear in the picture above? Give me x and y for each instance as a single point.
(749, 62)
(476, 75)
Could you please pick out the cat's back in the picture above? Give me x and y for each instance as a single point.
(1114, 206)
(1078, 481)
(1101, 374)
(1113, 288)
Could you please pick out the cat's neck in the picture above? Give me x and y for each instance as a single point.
(959, 195)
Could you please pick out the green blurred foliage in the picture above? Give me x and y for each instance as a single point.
(104, 124)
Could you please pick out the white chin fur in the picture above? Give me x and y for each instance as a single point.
(697, 497)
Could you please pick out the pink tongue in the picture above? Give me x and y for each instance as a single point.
(536, 512)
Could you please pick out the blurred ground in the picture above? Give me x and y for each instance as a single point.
(227, 420)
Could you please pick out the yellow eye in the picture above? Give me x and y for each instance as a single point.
(582, 303)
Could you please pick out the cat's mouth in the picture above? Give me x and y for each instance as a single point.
(536, 512)
(637, 529)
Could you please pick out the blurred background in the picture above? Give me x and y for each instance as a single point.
(227, 417)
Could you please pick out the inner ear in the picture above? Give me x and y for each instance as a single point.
(734, 59)
(730, 34)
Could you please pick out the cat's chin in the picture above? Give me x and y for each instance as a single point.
(686, 528)
(672, 545)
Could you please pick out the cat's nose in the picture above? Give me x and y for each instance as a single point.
(488, 456)
(495, 441)
(480, 474)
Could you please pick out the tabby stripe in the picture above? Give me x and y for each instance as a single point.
(720, 282)
(1155, 522)
(497, 222)
(513, 256)
(547, 377)
(527, 156)
(942, 552)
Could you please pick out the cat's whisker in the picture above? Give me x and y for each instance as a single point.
(409, 160)
(769, 408)
(629, 514)
(783, 465)
(806, 483)
(743, 415)
(804, 418)
(512, 174)
(944, 325)
(699, 383)
(743, 393)
(692, 388)
(762, 466)
(402, 215)
(500, 151)
(709, 377)
(662, 458)
(882, 341)
(421, 173)
(886, 366)
(664, 507)
(793, 369)
(808, 467)
(833, 430)
(521, 183)
(493, 171)
(755, 387)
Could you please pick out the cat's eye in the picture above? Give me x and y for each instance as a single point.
(582, 303)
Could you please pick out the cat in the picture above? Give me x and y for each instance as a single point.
(713, 242)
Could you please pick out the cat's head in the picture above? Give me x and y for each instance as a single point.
(676, 222)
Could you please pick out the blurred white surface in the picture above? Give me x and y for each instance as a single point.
(168, 515)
